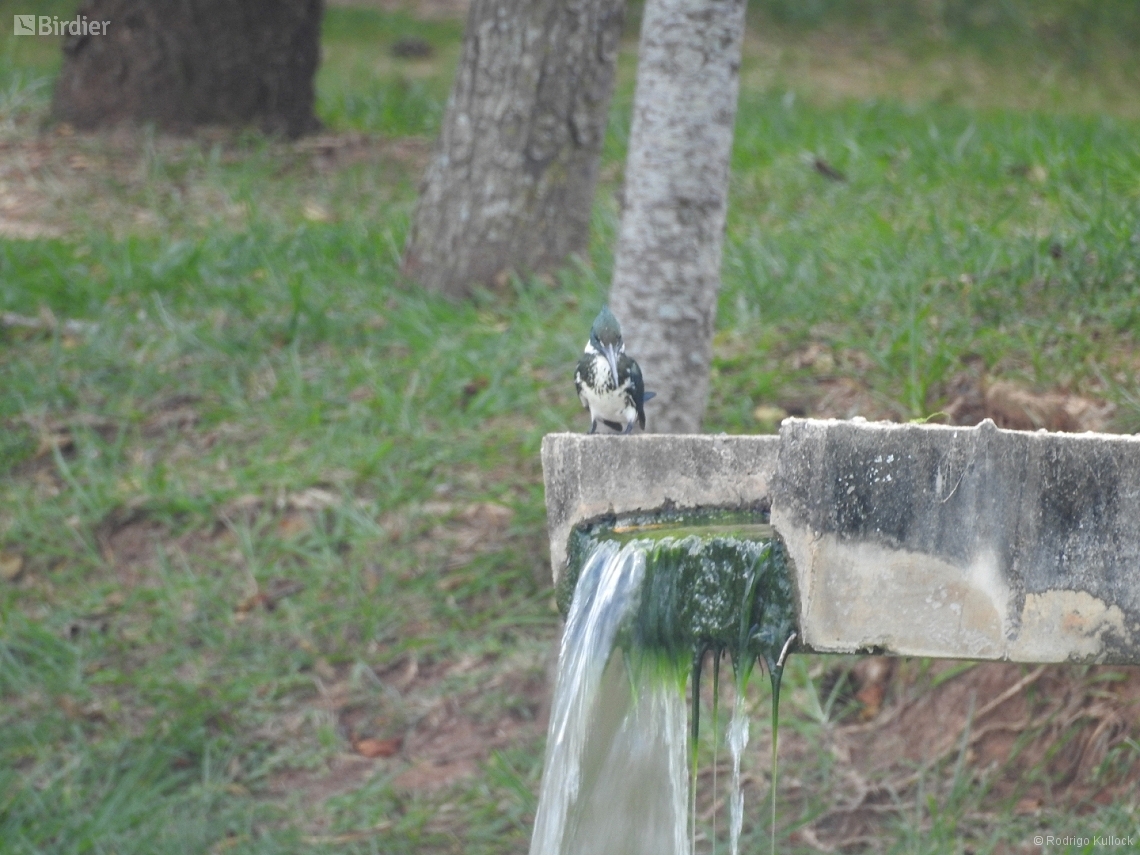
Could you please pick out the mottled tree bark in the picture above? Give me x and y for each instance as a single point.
(184, 63)
(667, 269)
(511, 182)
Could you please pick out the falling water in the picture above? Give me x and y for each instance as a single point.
(615, 763)
(644, 602)
(737, 742)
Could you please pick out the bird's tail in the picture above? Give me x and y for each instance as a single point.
(647, 396)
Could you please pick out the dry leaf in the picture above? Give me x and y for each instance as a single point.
(11, 566)
(311, 499)
(373, 748)
(315, 212)
(276, 590)
(70, 708)
(175, 418)
(51, 441)
(251, 602)
(248, 502)
(1027, 805)
(92, 711)
(293, 524)
(769, 415)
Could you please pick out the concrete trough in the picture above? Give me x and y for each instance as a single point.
(911, 540)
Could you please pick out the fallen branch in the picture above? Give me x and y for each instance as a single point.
(46, 321)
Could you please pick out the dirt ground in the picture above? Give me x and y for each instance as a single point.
(54, 182)
(1041, 739)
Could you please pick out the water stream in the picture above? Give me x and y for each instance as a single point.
(644, 602)
(737, 742)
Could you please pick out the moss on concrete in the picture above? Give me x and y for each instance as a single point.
(714, 580)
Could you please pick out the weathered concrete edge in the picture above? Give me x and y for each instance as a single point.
(588, 477)
(866, 591)
(971, 543)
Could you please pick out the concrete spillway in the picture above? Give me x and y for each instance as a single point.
(913, 540)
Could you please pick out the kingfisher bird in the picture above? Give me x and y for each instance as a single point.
(608, 381)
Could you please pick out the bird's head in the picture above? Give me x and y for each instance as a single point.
(605, 337)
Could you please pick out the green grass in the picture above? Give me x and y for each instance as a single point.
(263, 405)
(1076, 32)
(362, 86)
(939, 245)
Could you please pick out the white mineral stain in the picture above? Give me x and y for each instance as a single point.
(856, 596)
(1058, 626)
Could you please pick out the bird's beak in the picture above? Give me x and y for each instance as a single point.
(611, 358)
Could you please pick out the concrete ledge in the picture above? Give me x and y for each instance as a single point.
(588, 477)
(973, 543)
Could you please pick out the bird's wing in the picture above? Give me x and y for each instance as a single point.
(579, 374)
(638, 389)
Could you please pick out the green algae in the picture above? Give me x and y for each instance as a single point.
(715, 581)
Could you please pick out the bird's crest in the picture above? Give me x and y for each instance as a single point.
(606, 330)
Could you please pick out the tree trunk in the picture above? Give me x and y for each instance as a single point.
(183, 63)
(511, 182)
(667, 266)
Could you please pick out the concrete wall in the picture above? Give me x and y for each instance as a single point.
(910, 539)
